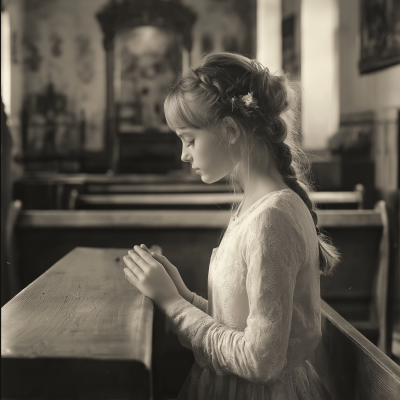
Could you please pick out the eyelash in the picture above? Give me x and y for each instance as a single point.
(190, 143)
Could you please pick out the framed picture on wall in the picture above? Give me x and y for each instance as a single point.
(380, 34)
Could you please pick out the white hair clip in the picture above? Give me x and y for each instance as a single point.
(249, 100)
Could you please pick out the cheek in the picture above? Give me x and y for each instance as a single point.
(221, 156)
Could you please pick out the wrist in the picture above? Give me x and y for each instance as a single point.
(188, 295)
(165, 304)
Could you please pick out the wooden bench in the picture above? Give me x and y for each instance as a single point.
(80, 331)
(121, 188)
(358, 287)
(357, 290)
(178, 196)
(348, 200)
(350, 366)
(187, 239)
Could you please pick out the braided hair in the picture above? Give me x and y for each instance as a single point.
(204, 96)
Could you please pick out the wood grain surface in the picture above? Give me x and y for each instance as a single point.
(80, 315)
(174, 218)
(351, 367)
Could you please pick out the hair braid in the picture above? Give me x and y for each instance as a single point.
(285, 167)
(211, 86)
(282, 152)
(325, 247)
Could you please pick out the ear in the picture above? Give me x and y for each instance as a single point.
(231, 130)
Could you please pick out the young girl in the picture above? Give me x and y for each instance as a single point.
(261, 323)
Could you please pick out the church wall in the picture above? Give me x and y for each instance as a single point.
(62, 44)
(377, 94)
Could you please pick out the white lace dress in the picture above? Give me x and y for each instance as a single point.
(261, 322)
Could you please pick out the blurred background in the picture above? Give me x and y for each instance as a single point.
(83, 84)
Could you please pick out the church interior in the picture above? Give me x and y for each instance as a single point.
(89, 168)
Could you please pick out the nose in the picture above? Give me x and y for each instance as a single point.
(185, 156)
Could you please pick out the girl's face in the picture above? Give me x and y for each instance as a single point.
(212, 159)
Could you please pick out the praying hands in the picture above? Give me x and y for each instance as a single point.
(150, 277)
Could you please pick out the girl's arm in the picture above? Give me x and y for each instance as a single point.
(200, 302)
(274, 254)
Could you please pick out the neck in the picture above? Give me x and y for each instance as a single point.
(259, 178)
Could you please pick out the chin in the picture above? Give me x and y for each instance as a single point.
(210, 180)
(203, 178)
(206, 179)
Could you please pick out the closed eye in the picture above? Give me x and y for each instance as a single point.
(190, 143)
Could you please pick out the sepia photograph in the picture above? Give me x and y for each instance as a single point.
(200, 199)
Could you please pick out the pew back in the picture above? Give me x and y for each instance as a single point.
(358, 287)
(350, 366)
(178, 196)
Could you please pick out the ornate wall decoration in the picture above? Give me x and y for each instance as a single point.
(84, 58)
(49, 128)
(56, 44)
(33, 58)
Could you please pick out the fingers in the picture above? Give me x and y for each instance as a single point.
(139, 255)
(131, 277)
(144, 247)
(161, 259)
(133, 267)
(170, 268)
(157, 256)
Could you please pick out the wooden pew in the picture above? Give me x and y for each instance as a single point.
(49, 190)
(181, 196)
(358, 287)
(187, 238)
(62, 190)
(342, 200)
(361, 236)
(349, 365)
(80, 331)
(121, 188)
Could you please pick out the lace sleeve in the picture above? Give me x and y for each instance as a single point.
(274, 253)
(200, 302)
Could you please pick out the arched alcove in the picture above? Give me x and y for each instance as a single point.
(147, 43)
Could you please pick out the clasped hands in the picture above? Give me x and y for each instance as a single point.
(155, 277)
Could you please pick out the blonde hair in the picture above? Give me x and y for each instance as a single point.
(202, 98)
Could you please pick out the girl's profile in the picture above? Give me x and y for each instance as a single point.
(261, 323)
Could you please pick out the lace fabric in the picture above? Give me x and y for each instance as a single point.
(252, 338)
